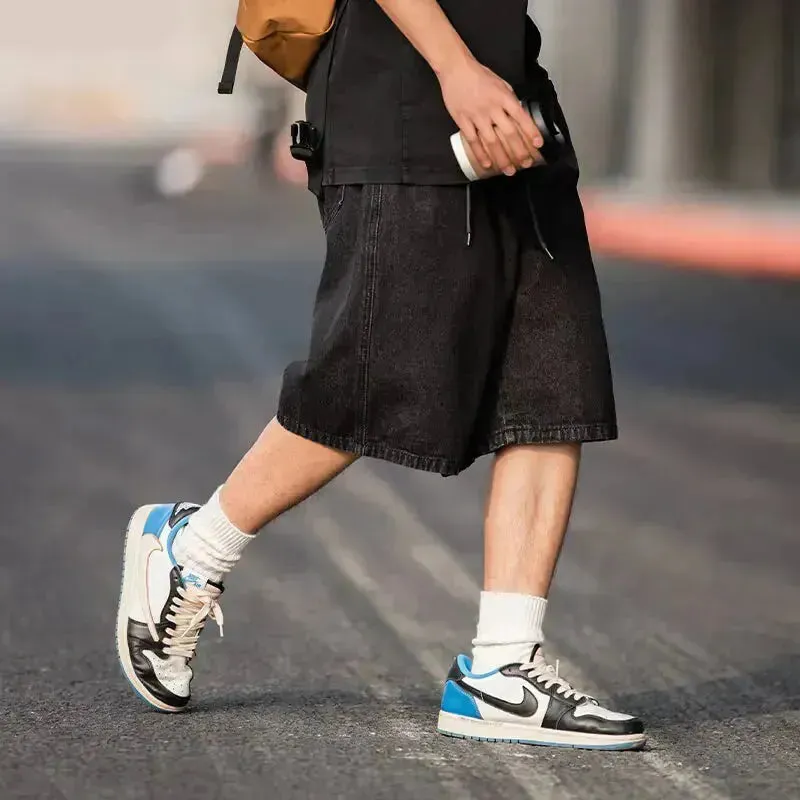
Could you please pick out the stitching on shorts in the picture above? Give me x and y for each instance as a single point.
(370, 278)
(522, 434)
(330, 218)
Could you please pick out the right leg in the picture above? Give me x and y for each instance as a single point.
(279, 471)
(176, 555)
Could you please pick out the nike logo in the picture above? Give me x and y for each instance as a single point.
(193, 580)
(526, 708)
(148, 545)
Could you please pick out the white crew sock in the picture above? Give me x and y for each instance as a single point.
(210, 544)
(509, 625)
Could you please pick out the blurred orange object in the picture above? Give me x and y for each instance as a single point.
(749, 238)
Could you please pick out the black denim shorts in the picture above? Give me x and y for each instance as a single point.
(428, 351)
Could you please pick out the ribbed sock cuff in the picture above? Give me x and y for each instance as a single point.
(213, 523)
(210, 544)
(508, 618)
(509, 625)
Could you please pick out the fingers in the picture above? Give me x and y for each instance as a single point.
(510, 137)
(470, 133)
(491, 139)
(530, 133)
(500, 133)
(509, 147)
(521, 153)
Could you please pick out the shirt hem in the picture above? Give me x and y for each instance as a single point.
(388, 174)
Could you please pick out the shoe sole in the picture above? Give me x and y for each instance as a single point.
(133, 534)
(515, 733)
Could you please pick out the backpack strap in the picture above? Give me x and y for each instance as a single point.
(231, 63)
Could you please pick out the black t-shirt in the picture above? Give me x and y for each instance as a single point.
(379, 104)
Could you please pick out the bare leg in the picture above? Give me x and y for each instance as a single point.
(279, 471)
(175, 573)
(527, 511)
(510, 692)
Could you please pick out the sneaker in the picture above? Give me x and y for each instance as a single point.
(161, 610)
(529, 703)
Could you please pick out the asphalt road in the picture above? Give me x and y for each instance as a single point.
(141, 348)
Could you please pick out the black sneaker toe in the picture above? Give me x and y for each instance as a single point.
(139, 640)
(588, 722)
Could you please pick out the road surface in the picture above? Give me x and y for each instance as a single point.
(141, 350)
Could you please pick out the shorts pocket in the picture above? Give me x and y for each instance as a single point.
(330, 202)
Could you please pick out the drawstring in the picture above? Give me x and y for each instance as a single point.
(534, 217)
(469, 215)
(532, 207)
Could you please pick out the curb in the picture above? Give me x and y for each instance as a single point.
(708, 236)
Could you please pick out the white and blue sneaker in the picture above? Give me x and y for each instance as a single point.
(161, 610)
(529, 703)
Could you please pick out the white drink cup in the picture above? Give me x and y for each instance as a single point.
(471, 167)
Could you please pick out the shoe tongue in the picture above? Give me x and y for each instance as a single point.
(191, 578)
(195, 580)
(538, 660)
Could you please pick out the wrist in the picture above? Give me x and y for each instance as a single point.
(451, 60)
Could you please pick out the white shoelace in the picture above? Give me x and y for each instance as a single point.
(188, 614)
(547, 675)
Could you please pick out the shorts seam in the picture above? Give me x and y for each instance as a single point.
(550, 434)
(510, 435)
(370, 279)
(364, 448)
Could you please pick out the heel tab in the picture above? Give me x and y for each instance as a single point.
(464, 664)
(455, 673)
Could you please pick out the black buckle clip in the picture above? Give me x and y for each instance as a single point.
(305, 141)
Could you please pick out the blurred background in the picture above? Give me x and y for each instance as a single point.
(157, 270)
(691, 92)
(661, 92)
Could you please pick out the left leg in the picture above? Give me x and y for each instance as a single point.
(527, 511)
(553, 393)
(509, 692)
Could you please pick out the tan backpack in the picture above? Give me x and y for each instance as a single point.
(285, 34)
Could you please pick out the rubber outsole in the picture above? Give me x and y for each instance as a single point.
(459, 727)
(533, 742)
(135, 527)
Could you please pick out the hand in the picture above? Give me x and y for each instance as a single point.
(499, 131)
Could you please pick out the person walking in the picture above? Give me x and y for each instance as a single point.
(453, 320)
